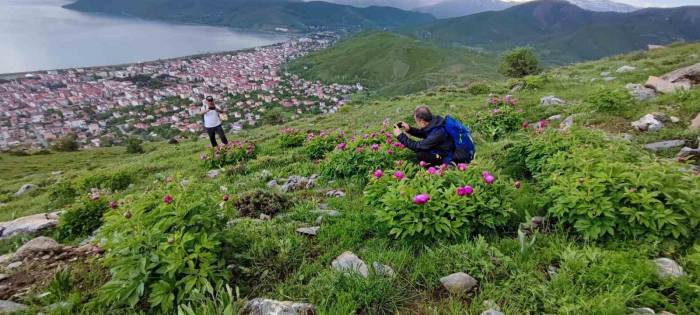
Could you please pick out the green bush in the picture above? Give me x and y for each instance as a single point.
(519, 62)
(601, 195)
(117, 180)
(232, 153)
(291, 138)
(258, 202)
(478, 89)
(62, 194)
(68, 143)
(447, 214)
(535, 82)
(81, 219)
(361, 156)
(160, 254)
(499, 121)
(133, 146)
(610, 101)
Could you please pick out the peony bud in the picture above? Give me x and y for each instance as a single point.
(421, 199)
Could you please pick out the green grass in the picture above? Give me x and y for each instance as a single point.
(270, 260)
(392, 64)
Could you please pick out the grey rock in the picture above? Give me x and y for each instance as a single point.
(648, 122)
(348, 262)
(555, 117)
(674, 119)
(627, 137)
(608, 79)
(491, 312)
(262, 306)
(25, 189)
(7, 307)
(310, 231)
(41, 244)
(640, 92)
(272, 184)
(383, 270)
(264, 217)
(695, 123)
(491, 305)
(552, 271)
(28, 224)
(299, 182)
(516, 88)
(567, 123)
(335, 193)
(688, 153)
(644, 310)
(14, 265)
(680, 79)
(551, 100)
(605, 73)
(459, 282)
(625, 68)
(668, 268)
(327, 212)
(319, 220)
(664, 145)
(213, 173)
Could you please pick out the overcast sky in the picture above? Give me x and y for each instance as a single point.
(654, 3)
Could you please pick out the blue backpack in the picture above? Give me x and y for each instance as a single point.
(461, 136)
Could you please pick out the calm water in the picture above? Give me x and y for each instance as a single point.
(40, 35)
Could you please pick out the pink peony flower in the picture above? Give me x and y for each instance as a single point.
(485, 173)
(496, 110)
(226, 197)
(423, 164)
(378, 173)
(341, 146)
(444, 167)
(518, 184)
(421, 199)
(375, 147)
(360, 149)
(389, 151)
(399, 175)
(489, 179)
(168, 199)
(113, 204)
(526, 125)
(432, 170)
(462, 166)
(94, 196)
(468, 190)
(543, 124)
(461, 191)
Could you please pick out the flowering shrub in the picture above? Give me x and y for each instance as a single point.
(445, 204)
(599, 194)
(232, 153)
(259, 202)
(363, 155)
(502, 118)
(161, 251)
(82, 218)
(317, 145)
(291, 138)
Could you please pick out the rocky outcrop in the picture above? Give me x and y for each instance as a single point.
(648, 122)
(680, 79)
(29, 224)
(383, 270)
(299, 182)
(349, 263)
(39, 245)
(25, 189)
(688, 153)
(664, 145)
(262, 306)
(668, 268)
(458, 283)
(640, 92)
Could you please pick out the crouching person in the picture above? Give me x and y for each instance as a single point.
(442, 140)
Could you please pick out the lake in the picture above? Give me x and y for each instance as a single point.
(41, 35)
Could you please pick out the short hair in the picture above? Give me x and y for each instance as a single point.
(210, 99)
(423, 113)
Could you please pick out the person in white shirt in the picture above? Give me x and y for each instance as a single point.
(212, 122)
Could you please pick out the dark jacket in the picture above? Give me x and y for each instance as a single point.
(434, 138)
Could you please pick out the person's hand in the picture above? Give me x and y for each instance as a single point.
(404, 126)
(397, 132)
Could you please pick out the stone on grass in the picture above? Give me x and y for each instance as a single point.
(625, 68)
(552, 271)
(310, 231)
(666, 313)
(262, 306)
(609, 78)
(605, 73)
(644, 310)
(567, 123)
(348, 262)
(299, 182)
(213, 173)
(319, 219)
(695, 123)
(688, 153)
(335, 193)
(664, 145)
(29, 224)
(41, 244)
(555, 117)
(272, 184)
(668, 268)
(14, 265)
(648, 122)
(551, 100)
(459, 282)
(491, 312)
(25, 189)
(675, 119)
(491, 305)
(264, 217)
(640, 92)
(327, 212)
(7, 307)
(383, 270)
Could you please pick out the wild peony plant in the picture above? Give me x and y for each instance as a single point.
(446, 203)
(362, 155)
(232, 153)
(502, 118)
(318, 145)
(164, 248)
(601, 195)
(291, 138)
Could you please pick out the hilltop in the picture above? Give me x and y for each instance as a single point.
(258, 15)
(393, 64)
(563, 33)
(581, 219)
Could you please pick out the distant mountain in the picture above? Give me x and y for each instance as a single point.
(603, 5)
(454, 8)
(393, 64)
(401, 4)
(258, 14)
(562, 32)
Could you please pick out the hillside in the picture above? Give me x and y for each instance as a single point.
(563, 33)
(257, 15)
(392, 64)
(576, 218)
(456, 8)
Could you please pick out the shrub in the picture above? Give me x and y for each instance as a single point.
(501, 120)
(81, 219)
(610, 101)
(460, 202)
(291, 138)
(361, 156)
(258, 202)
(61, 194)
(165, 250)
(316, 146)
(117, 180)
(519, 62)
(535, 82)
(231, 153)
(68, 143)
(478, 89)
(600, 194)
(133, 146)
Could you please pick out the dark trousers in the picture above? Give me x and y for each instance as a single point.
(212, 132)
(428, 157)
